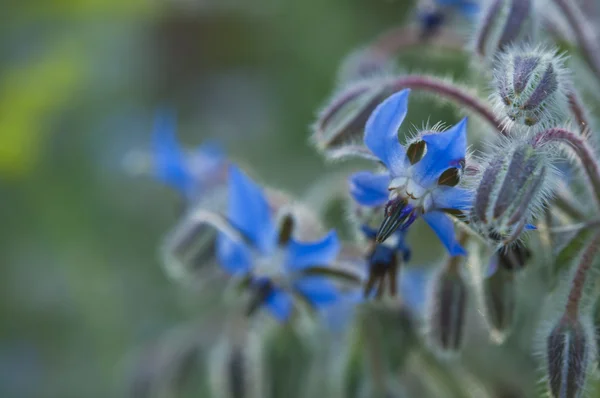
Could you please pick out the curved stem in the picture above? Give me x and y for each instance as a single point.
(450, 91)
(578, 283)
(584, 34)
(581, 148)
(579, 112)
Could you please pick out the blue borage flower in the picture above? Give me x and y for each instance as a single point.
(384, 261)
(420, 182)
(189, 173)
(412, 292)
(432, 14)
(273, 262)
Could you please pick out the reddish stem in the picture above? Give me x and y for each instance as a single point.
(450, 91)
(579, 112)
(578, 284)
(581, 148)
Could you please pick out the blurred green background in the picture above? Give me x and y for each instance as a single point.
(80, 282)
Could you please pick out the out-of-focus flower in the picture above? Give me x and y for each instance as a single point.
(188, 173)
(432, 14)
(384, 261)
(273, 262)
(420, 181)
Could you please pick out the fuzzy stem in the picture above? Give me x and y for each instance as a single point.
(578, 284)
(584, 34)
(450, 91)
(579, 113)
(581, 148)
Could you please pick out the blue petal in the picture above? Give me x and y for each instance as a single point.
(233, 256)
(443, 227)
(444, 150)
(369, 232)
(318, 290)
(452, 198)
(249, 211)
(369, 189)
(381, 131)
(306, 254)
(280, 304)
(169, 159)
(530, 227)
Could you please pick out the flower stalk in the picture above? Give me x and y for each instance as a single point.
(579, 280)
(581, 147)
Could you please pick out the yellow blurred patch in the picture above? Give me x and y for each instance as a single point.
(91, 8)
(29, 94)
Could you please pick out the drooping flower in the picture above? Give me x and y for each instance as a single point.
(419, 181)
(384, 261)
(190, 173)
(273, 261)
(432, 14)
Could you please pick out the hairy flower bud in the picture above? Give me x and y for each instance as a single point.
(343, 119)
(447, 307)
(502, 23)
(531, 87)
(512, 188)
(189, 248)
(499, 294)
(569, 350)
(236, 369)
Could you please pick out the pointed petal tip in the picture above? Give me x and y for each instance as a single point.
(457, 251)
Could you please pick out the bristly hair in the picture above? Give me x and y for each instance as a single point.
(503, 149)
(524, 106)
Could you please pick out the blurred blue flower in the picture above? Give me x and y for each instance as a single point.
(418, 183)
(432, 14)
(189, 173)
(384, 261)
(465, 7)
(412, 282)
(276, 267)
(399, 245)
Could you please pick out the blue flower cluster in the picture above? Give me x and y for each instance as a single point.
(277, 267)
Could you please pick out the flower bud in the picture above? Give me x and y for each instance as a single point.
(189, 248)
(531, 87)
(503, 22)
(343, 119)
(569, 350)
(447, 307)
(499, 294)
(236, 369)
(512, 188)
